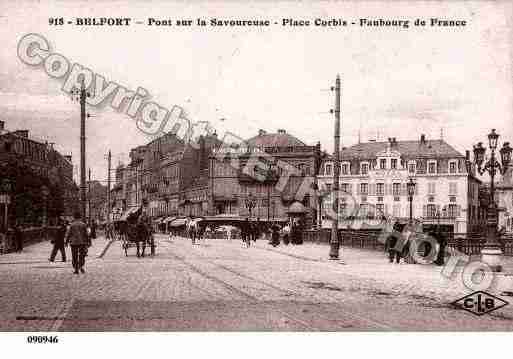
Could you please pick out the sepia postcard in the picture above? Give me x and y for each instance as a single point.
(244, 166)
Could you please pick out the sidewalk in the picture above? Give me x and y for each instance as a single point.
(40, 252)
(419, 278)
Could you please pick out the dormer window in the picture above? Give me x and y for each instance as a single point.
(365, 168)
(452, 167)
(328, 169)
(411, 167)
(432, 167)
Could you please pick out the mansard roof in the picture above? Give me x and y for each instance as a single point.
(407, 149)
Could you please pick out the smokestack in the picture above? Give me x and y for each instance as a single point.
(2, 125)
(281, 131)
(423, 139)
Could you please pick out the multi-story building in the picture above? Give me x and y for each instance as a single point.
(504, 199)
(43, 178)
(96, 198)
(254, 170)
(373, 177)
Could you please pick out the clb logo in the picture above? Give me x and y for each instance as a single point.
(480, 303)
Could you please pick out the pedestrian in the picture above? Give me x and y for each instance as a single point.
(393, 246)
(246, 233)
(93, 229)
(77, 237)
(442, 243)
(58, 242)
(18, 238)
(275, 235)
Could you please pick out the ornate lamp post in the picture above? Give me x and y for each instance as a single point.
(5, 198)
(491, 252)
(250, 203)
(410, 185)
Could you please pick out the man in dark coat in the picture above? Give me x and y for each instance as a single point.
(77, 237)
(58, 242)
(143, 232)
(18, 238)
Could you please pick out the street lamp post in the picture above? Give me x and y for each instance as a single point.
(250, 203)
(270, 181)
(410, 185)
(491, 252)
(5, 198)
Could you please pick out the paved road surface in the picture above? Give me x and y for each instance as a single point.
(220, 285)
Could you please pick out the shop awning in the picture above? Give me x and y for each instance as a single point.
(130, 212)
(179, 222)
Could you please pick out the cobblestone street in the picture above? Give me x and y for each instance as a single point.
(221, 285)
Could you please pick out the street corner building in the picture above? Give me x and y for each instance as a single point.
(373, 184)
(36, 179)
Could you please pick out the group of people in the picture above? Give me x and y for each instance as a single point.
(78, 236)
(399, 244)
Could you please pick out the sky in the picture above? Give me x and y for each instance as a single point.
(396, 82)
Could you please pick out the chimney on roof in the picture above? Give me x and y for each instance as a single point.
(22, 133)
(261, 132)
(2, 125)
(423, 139)
(281, 131)
(467, 155)
(68, 157)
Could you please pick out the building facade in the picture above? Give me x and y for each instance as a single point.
(272, 170)
(41, 177)
(373, 178)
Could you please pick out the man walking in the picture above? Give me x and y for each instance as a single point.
(77, 237)
(58, 242)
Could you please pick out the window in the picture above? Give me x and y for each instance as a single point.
(365, 168)
(328, 187)
(432, 167)
(396, 210)
(396, 189)
(345, 169)
(364, 188)
(453, 187)
(452, 167)
(393, 163)
(382, 164)
(431, 187)
(344, 187)
(380, 210)
(362, 213)
(452, 210)
(328, 169)
(380, 189)
(431, 211)
(411, 168)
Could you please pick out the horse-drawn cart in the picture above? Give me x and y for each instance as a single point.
(135, 232)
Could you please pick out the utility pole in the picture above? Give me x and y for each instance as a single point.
(81, 96)
(108, 186)
(334, 241)
(89, 195)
